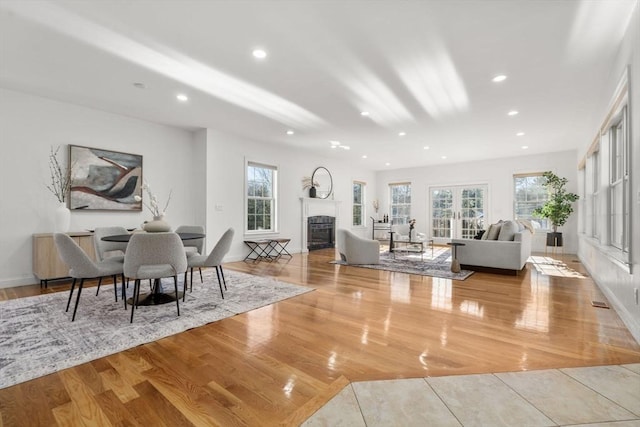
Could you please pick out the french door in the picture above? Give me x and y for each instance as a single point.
(457, 212)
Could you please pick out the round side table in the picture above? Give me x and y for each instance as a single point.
(455, 264)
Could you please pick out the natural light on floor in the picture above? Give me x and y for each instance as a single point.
(553, 267)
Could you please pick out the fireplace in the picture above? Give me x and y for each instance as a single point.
(320, 232)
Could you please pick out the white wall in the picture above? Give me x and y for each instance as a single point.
(226, 156)
(614, 279)
(30, 125)
(497, 174)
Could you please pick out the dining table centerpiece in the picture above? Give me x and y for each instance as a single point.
(158, 224)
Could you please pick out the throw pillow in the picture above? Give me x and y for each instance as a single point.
(508, 231)
(486, 234)
(479, 235)
(494, 231)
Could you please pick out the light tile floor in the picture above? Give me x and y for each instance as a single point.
(593, 396)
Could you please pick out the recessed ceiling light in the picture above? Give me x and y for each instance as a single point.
(426, 147)
(345, 147)
(364, 156)
(364, 113)
(520, 134)
(524, 147)
(499, 78)
(290, 132)
(444, 157)
(402, 133)
(512, 113)
(140, 85)
(335, 143)
(259, 53)
(182, 97)
(387, 164)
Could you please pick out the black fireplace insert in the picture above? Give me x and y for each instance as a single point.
(320, 232)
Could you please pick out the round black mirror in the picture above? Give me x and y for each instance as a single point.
(323, 182)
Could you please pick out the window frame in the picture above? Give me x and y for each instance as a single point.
(405, 205)
(618, 214)
(361, 205)
(273, 198)
(545, 224)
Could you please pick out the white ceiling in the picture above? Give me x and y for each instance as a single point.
(422, 67)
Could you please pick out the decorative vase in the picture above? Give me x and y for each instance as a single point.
(158, 225)
(312, 192)
(62, 218)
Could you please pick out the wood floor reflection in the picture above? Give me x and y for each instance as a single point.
(278, 364)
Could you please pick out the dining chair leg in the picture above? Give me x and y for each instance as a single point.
(224, 281)
(175, 285)
(124, 291)
(219, 282)
(136, 285)
(77, 300)
(191, 285)
(184, 287)
(115, 287)
(99, 283)
(73, 285)
(200, 270)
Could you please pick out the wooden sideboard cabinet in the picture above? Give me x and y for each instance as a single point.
(47, 265)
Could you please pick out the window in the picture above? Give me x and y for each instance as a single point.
(595, 196)
(530, 193)
(358, 203)
(261, 197)
(619, 182)
(400, 202)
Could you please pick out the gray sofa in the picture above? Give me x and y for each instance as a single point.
(508, 251)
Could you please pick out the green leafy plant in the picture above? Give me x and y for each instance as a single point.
(559, 206)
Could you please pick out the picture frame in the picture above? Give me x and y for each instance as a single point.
(104, 180)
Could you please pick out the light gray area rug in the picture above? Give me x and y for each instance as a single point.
(415, 263)
(37, 337)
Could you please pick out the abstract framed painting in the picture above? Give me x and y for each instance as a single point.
(104, 179)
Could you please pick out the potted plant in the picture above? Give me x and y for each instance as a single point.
(558, 207)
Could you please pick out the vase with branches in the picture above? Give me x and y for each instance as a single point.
(60, 184)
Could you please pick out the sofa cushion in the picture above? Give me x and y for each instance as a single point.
(508, 230)
(485, 235)
(494, 231)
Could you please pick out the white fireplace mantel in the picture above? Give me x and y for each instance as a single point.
(314, 207)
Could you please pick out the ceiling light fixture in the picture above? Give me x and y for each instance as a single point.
(345, 147)
(364, 113)
(334, 143)
(182, 97)
(520, 134)
(512, 113)
(426, 147)
(387, 164)
(364, 156)
(259, 53)
(499, 78)
(524, 147)
(444, 157)
(402, 133)
(290, 132)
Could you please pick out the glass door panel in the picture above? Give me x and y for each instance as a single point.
(457, 212)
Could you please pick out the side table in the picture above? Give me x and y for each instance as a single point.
(455, 264)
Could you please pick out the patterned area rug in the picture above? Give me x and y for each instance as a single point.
(37, 337)
(414, 263)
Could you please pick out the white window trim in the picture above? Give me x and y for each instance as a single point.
(363, 204)
(276, 190)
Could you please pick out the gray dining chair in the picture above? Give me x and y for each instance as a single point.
(214, 259)
(83, 267)
(193, 246)
(154, 256)
(112, 251)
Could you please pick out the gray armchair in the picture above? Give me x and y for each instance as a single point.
(214, 259)
(357, 250)
(82, 267)
(111, 251)
(154, 256)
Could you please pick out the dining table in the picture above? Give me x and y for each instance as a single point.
(157, 295)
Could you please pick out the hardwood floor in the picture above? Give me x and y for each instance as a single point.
(278, 364)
